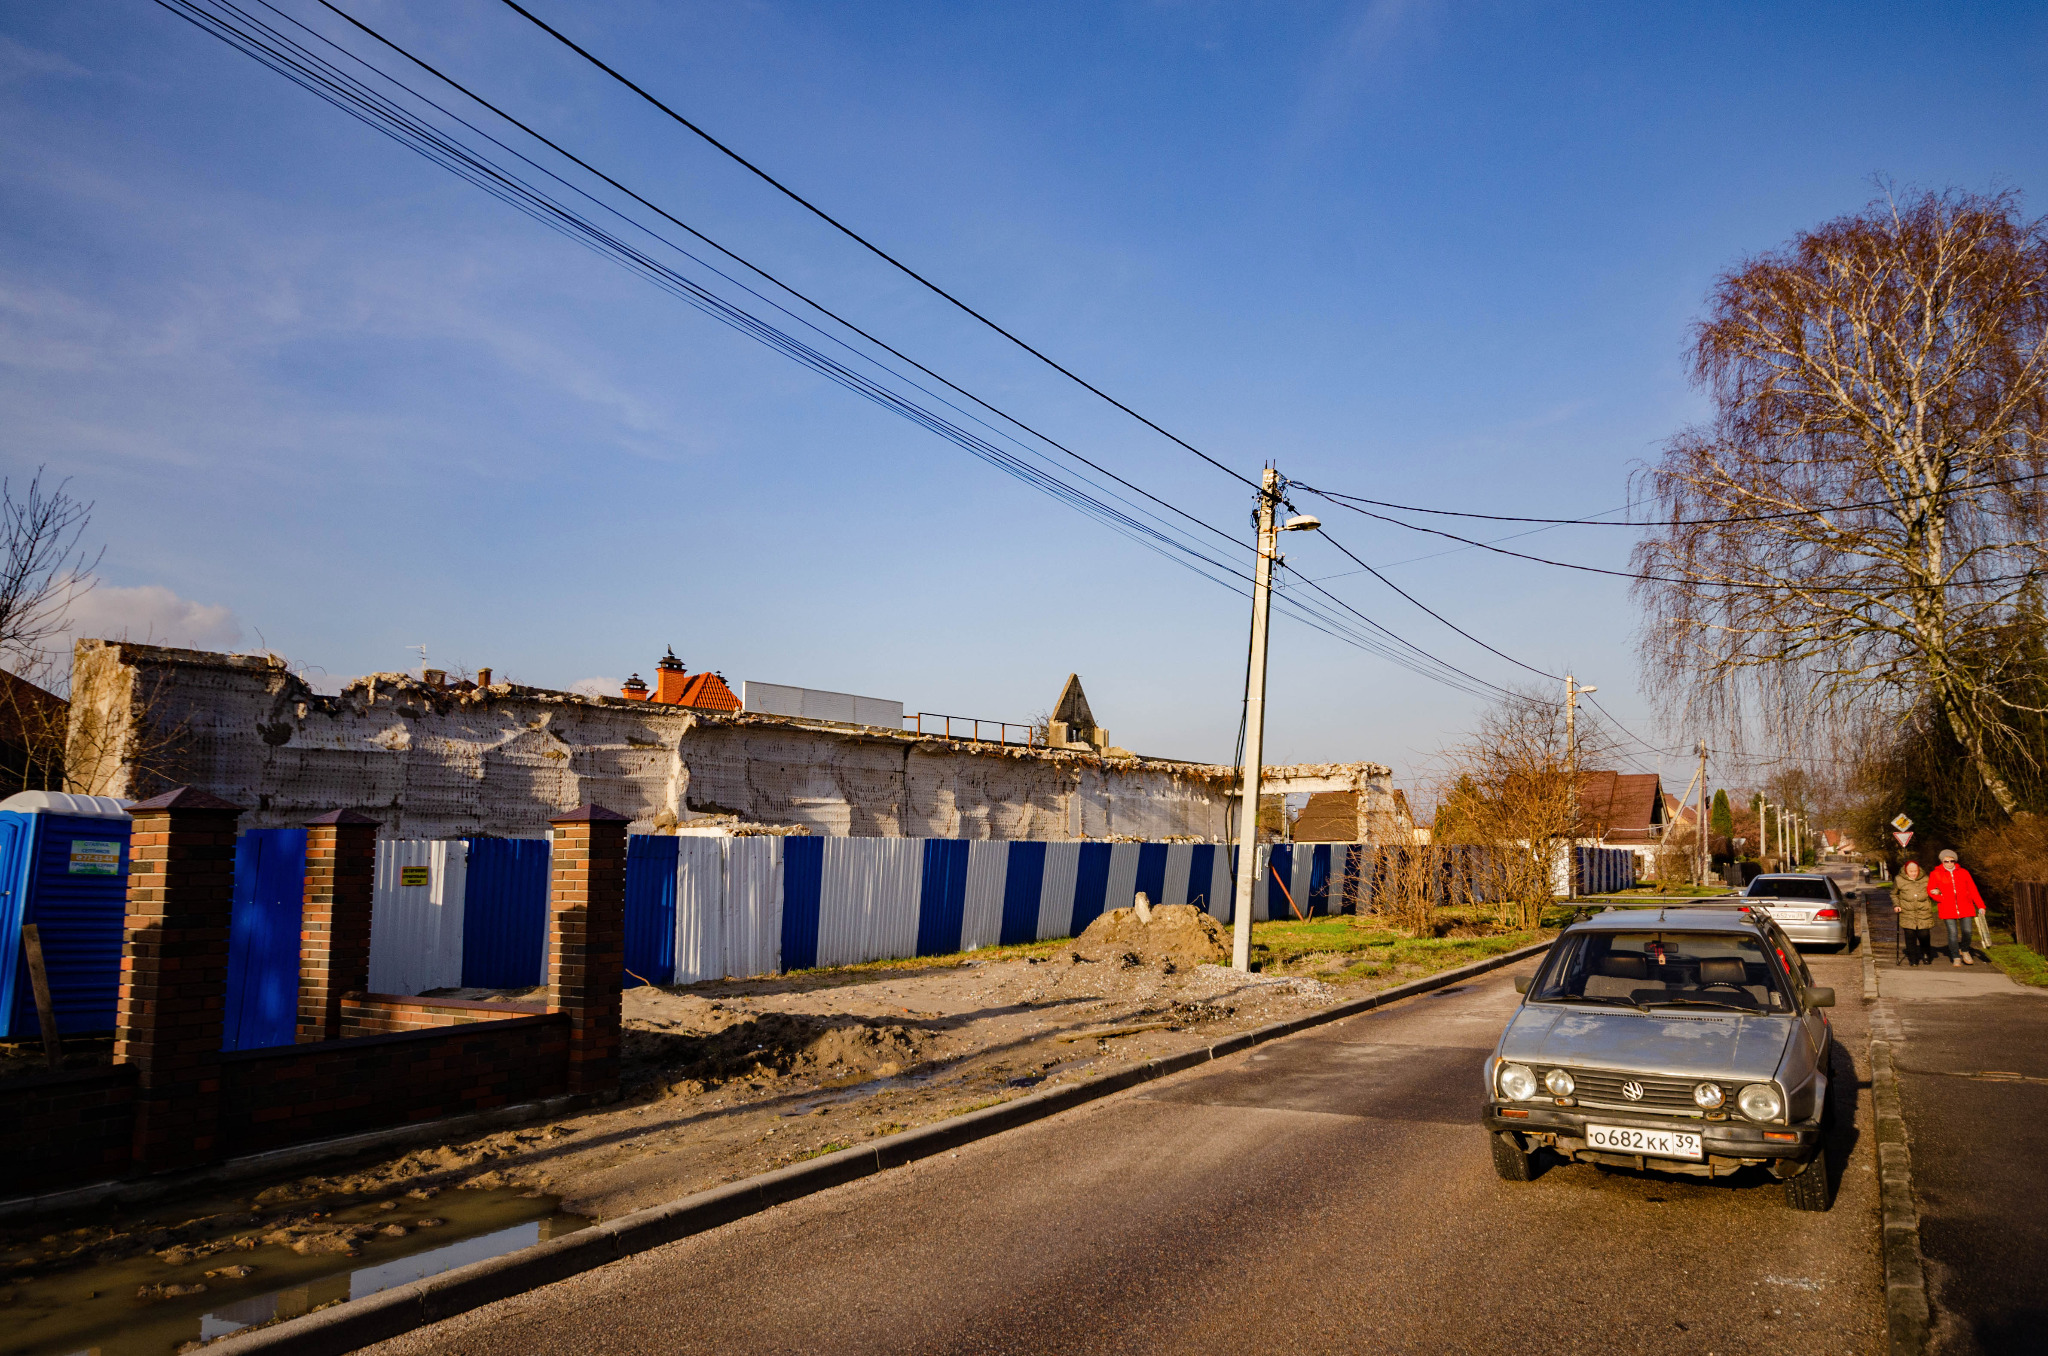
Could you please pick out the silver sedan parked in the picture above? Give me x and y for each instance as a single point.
(1807, 905)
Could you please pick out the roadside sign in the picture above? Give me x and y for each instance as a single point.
(1902, 824)
(1904, 836)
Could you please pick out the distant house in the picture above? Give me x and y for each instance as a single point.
(33, 725)
(673, 686)
(1627, 810)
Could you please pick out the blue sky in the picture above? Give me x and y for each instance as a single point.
(331, 401)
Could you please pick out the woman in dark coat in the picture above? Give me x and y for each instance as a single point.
(1915, 909)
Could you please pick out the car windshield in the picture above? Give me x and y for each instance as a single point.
(1666, 968)
(1782, 887)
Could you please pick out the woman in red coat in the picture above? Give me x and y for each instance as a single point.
(1957, 901)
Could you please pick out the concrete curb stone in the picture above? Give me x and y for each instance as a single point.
(1907, 1312)
(387, 1314)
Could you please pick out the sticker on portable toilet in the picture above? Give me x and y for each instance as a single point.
(95, 859)
(413, 875)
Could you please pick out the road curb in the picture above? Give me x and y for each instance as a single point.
(1907, 1312)
(389, 1313)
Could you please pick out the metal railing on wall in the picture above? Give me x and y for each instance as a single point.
(968, 727)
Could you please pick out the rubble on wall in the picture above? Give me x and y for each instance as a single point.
(429, 760)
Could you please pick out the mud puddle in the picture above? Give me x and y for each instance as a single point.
(157, 1305)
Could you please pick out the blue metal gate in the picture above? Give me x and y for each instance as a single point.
(505, 913)
(263, 940)
(650, 910)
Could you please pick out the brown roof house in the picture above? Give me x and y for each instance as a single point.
(1626, 810)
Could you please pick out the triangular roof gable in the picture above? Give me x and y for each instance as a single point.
(1072, 707)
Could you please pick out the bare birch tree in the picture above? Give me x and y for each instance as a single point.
(1861, 522)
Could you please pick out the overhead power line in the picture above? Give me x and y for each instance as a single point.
(859, 239)
(1335, 495)
(443, 146)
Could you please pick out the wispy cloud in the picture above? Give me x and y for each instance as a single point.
(1362, 52)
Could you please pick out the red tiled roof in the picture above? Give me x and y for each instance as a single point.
(708, 692)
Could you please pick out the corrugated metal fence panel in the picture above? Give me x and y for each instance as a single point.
(1173, 887)
(1121, 885)
(80, 916)
(650, 909)
(700, 909)
(1056, 890)
(1301, 883)
(753, 906)
(419, 932)
(868, 908)
(1023, 892)
(1151, 881)
(262, 1000)
(988, 870)
(505, 913)
(803, 866)
(1264, 896)
(942, 897)
(1091, 884)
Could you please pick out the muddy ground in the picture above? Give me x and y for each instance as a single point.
(728, 1079)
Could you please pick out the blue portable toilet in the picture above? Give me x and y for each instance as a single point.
(63, 867)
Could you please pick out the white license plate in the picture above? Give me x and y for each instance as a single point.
(1623, 1139)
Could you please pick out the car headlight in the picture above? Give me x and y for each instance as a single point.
(1709, 1095)
(1559, 1082)
(1761, 1102)
(1517, 1084)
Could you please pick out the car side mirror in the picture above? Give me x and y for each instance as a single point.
(1521, 984)
(1820, 998)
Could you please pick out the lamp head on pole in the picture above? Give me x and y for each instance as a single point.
(1305, 522)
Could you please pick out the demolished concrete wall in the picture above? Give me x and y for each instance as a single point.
(441, 762)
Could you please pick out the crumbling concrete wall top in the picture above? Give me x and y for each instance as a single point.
(434, 761)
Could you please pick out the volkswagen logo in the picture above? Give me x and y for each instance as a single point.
(1632, 1090)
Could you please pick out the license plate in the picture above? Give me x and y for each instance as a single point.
(1655, 1143)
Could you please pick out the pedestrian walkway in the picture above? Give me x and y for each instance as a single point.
(1972, 1058)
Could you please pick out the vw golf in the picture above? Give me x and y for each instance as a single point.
(1689, 1040)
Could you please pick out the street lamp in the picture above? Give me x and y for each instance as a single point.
(1255, 714)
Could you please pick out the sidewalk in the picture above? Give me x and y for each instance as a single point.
(1973, 1082)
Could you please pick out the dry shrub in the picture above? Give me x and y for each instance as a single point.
(2007, 853)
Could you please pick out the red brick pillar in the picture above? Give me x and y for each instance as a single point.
(174, 970)
(334, 928)
(587, 940)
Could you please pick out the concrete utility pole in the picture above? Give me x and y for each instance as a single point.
(1255, 716)
(1702, 849)
(1763, 829)
(1572, 689)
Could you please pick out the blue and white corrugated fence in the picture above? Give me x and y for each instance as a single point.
(1604, 869)
(708, 908)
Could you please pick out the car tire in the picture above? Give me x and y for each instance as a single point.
(1511, 1163)
(1811, 1190)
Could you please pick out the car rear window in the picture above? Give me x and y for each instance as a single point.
(1780, 887)
(1646, 969)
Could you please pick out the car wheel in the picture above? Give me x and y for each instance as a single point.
(1811, 1190)
(1511, 1163)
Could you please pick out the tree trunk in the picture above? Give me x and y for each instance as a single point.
(1971, 738)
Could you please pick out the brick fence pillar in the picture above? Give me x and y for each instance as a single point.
(587, 940)
(174, 970)
(334, 928)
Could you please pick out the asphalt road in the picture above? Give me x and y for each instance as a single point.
(1330, 1192)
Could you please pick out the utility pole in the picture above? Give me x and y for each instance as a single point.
(1255, 716)
(1572, 689)
(1763, 829)
(1703, 850)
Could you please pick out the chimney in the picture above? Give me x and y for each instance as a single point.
(483, 677)
(434, 677)
(634, 688)
(669, 678)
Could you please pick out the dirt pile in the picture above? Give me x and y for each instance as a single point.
(774, 1044)
(1179, 935)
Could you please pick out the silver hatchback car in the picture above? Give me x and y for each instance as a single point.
(1808, 905)
(1689, 1040)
